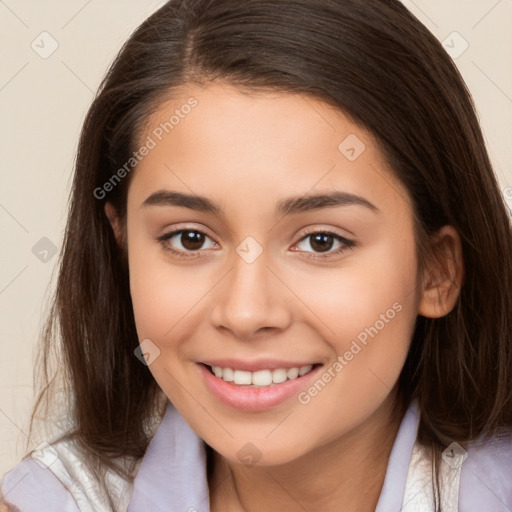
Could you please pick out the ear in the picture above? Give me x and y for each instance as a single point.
(111, 213)
(445, 274)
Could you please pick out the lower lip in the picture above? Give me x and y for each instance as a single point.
(254, 399)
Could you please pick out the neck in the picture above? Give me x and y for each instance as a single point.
(348, 470)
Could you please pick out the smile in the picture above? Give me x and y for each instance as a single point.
(256, 390)
(260, 378)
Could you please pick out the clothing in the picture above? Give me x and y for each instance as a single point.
(172, 476)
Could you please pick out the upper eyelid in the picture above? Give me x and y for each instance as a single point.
(179, 228)
(331, 231)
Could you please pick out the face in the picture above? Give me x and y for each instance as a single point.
(257, 275)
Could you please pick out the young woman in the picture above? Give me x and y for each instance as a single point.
(286, 280)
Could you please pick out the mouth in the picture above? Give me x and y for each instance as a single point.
(270, 384)
(254, 386)
(263, 378)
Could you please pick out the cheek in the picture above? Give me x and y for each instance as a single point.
(370, 308)
(376, 285)
(166, 304)
(163, 294)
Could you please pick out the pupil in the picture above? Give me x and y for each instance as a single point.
(192, 240)
(321, 242)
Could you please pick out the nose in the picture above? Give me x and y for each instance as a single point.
(251, 300)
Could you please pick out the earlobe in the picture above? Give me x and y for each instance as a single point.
(441, 288)
(113, 218)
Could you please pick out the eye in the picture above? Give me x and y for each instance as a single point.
(183, 241)
(323, 242)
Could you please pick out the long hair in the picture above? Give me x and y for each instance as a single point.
(378, 64)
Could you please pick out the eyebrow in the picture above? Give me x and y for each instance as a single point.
(289, 206)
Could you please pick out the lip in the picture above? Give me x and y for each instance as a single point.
(254, 366)
(254, 399)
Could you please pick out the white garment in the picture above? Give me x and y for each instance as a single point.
(171, 477)
(63, 461)
(419, 493)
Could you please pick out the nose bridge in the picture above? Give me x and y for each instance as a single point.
(250, 296)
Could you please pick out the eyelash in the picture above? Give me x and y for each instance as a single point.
(347, 244)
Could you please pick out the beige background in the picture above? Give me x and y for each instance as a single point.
(43, 102)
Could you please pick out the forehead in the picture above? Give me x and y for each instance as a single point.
(251, 147)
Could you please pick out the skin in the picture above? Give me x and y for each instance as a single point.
(246, 152)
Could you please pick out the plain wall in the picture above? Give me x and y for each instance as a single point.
(43, 102)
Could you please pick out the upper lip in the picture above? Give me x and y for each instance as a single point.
(254, 366)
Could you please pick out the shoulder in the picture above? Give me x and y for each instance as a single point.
(30, 487)
(486, 476)
(54, 477)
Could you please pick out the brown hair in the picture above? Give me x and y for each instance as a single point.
(378, 64)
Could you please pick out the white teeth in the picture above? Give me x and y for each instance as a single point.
(242, 377)
(279, 375)
(292, 373)
(305, 369)
(228, 374)
(260, 377)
